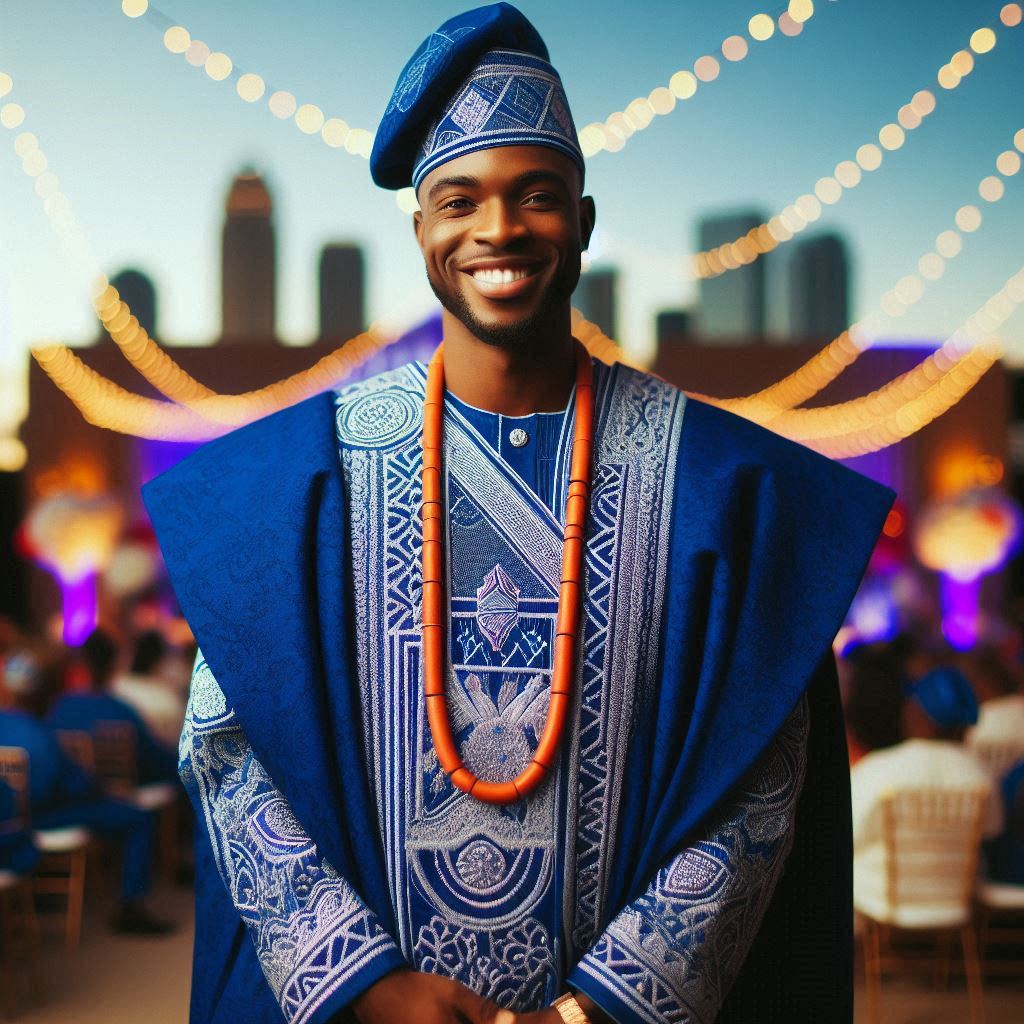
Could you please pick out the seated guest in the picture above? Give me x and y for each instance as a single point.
(873, 698)
(141, 687)
(937, 710)
(62, 795)
(1001, 711)
(83, 711)
(1004, 855)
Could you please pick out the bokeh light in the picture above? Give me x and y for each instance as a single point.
(282, 104)
(962, 63)
(828, 190)
(251, 87)
(12, 115)
(6, 83)
(923, 102)
(198, 53)
(948, 78)
(661, 100)
(1008, 163)
(683, 85)
(931, 266)
(734, 48)
(800, 10)
(968, 218)
(1010, 15)
(135, 8)
(706, 68)
(788, 26)
(848, 174)
(869, 156)
(991, 189)
(983, 40)
(761, 27)
(908, 117)
(891, 136)
(177, 39)
(25, 143)
(949, 244)
(309, 118)
(1018, 140)
(218, 66)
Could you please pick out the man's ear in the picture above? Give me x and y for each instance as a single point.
(417, 227)
(588, 215)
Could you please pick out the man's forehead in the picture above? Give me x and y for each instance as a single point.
(499, 168)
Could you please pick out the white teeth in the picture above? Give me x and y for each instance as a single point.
(499, 276)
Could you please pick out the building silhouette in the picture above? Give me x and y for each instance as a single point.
(138, 291)
(732, 305)
(819, 276)
(673, 327)
(595, 298)
(342, 286)
(248, 277)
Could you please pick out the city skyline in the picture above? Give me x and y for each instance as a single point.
(144, 143)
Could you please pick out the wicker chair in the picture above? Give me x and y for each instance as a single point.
(932, 838)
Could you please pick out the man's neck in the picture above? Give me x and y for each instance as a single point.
(510, 382)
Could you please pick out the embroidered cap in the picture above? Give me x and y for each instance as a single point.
(480, 80)
(946, 697)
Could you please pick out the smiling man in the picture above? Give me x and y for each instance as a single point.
(516, 700)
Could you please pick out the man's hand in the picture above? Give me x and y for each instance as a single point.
(411, 996)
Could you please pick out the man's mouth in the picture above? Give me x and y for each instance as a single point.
(503, 282)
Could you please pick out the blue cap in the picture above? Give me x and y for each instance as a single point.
(946, 697)
(480, 80)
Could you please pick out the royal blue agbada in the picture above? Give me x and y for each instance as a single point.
(768, 543)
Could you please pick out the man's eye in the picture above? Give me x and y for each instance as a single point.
(451, 204)
(542, 197)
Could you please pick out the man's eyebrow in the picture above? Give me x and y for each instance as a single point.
(468, 181)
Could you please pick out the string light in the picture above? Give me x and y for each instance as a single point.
(251, 87)
(831, 188)
(612, 134)
(824, 367)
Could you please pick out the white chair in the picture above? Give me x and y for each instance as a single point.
(998, 756)
(932, 838)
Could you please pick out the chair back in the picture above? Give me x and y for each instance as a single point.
(932, 840)
(78, 746)
(14, 771)
(113, 746)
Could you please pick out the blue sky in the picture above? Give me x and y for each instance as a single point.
(145, 147)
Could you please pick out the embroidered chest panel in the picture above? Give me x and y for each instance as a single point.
(504, 898)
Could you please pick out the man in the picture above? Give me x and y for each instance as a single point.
(937, 710)
(633, 876)
(62, 795)
(84, 711)
(160, 707)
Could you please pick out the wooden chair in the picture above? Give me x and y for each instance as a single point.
(116, 763)
(77, 745)
(19, 927)
(932, 838)
(61, 871)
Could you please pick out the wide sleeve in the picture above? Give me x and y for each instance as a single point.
(318, 944)
(673, 954)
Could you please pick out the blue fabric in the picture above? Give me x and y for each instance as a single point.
(768, 543)
(131, 828)
(82, 712)
(54, 779)
(17, 851)
(1004, 855)
(443, 105)
(946, 696)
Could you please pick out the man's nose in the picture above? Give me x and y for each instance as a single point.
(498, 223)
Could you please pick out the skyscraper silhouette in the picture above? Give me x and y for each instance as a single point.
(819, 276)
(248, 263)
(732, 304)
(342, 314)
(595, 298)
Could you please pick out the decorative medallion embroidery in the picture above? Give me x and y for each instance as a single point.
(497, 603)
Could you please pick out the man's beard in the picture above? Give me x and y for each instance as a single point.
(524, 334)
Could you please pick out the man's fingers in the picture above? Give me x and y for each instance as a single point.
(480, 1010)
(505, 1017)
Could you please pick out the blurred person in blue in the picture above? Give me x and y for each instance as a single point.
(62, 795)
(83, 711)
(143, 688)
(938, 708)
(686, 853)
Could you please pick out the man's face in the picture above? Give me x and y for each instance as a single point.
(501, 231)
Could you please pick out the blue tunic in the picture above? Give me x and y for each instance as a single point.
(640, 872)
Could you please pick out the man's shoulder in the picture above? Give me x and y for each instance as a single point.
(382, 411)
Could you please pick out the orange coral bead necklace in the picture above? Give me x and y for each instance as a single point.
(568, 624)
